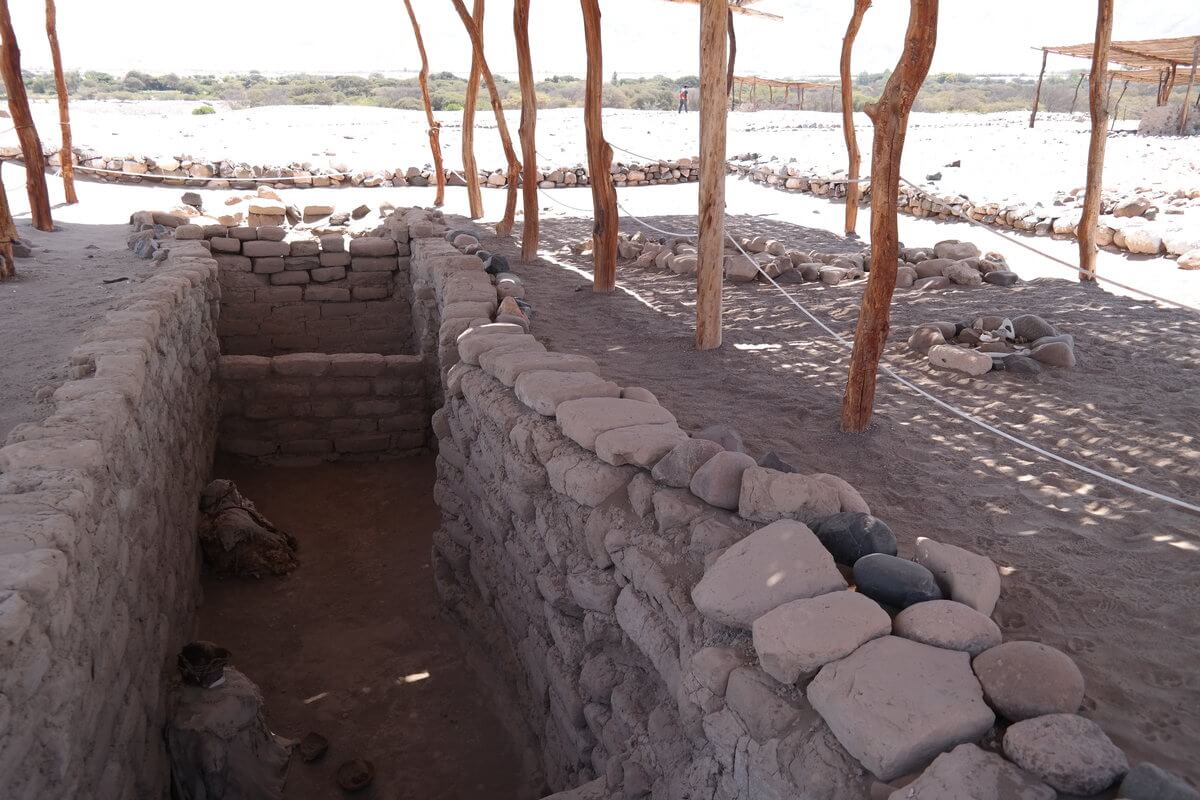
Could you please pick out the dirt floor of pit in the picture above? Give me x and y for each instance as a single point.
(353, 644)
(1103, 574)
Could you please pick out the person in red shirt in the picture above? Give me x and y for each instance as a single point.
(683, 100)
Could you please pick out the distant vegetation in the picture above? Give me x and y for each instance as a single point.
(942, 92)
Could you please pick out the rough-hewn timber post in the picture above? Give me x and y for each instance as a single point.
(732, 54)
(504, 226)
(18, 107)
(8, 234)
(604, 194)
(710, 271)
(1183, 117)
(1098, 104)
(852, 189)
(1037, 92)
(527, 131)
(890, 116)
(64, 114)
(470, 168)
(1117, 107)
(434, 125)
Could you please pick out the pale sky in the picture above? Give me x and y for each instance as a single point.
(640, 36)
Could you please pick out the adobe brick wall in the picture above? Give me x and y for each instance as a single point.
(98, 560)
(310, 295)
(320, 405)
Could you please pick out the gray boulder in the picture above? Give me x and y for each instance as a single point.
(964, 576)
(970, 773)
(718, 481)
(1070, 753)
(947, 624)
(800, 637)
(677, 467)
(1022, 680)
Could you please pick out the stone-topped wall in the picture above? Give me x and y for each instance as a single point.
(317, 406)
(309, 295)
(98, 561)
(674, 613)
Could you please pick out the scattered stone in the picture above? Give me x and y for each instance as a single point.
(1070, 753)
(850, 535)
(355, 775)
(312, 747)
(1001, 277)
(970, 773)
(971, 362)
(772, 461)
(1030, 327)
(496, 264)
(718, 481)
(963, 274)
(1018, 364)
(894, 581)
(781, 562)
(895, 704)
(1148, 782)
(800, 637)
(768, 495)
(1056, 354)
(956, 250)
(932, 268)
(360, 212)
(924, 338)
(723, 435)
(969, 578)
(192, 199)
(1023, 680)
(950, 625)
(906, 276)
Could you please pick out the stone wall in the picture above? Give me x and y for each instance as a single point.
(675, 615)
(317, 406)
(310, 294)
(98, 561)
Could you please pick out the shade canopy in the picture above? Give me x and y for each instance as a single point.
(1141, 54)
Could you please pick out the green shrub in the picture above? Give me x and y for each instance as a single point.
(204, 109)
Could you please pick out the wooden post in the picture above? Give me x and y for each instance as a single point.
(890, 116)
(852, 189)
(1079, 83)
(66, 155)
(18, 107)
(470, 168)
(434, 125)
(1187, 96)
(732, 54)
(604, 194)
(529, 181)
(504, 226)
(1037, 92)
(1117, 107)
(1098, 103)
(714, 19)
(1108, 94)
(801, 98)
(8, 235)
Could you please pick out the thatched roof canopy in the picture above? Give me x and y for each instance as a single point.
(738, 7)
(1142, 54)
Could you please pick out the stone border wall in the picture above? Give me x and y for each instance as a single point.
(99, 570)
(307, 295)
(672, 625)
(317, 406)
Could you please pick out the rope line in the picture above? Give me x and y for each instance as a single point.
(965, 415)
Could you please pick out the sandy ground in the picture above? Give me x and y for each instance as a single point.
(1104, 574)
(353, 644)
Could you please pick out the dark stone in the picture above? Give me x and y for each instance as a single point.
(772, 461)
(192, 199)
(524, 306)
(723, 435)
(483, 255)
(850, 535)
(360, 212)
(790, 276)
(1001, 277)
(293, 215)
(894, 581)
(496, 264)
(202, 663)
(968, 336)
(1018, 364)
(418, 180)
(1031, 327)
(356, 775)
(312, 747)
(1148, 782)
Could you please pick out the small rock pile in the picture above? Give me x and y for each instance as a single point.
(946, 264)
(1020, 344)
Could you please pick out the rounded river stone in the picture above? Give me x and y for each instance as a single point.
(850, 535)
(1022, 680)
(894, 581)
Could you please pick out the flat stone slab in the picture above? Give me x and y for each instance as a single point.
(544, 390)
(1070, 753)
(1029, 679)
(766, 712)
(800, 637)
(774, 565)
(768, 495)
(945, 623)
(970, 773)
(969, 578)
(643, 445)
(507, 367)
(584, 420)
(473, 345)
(895, 704)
